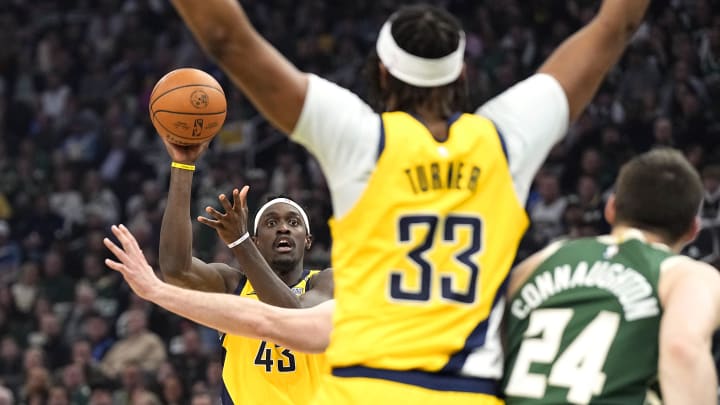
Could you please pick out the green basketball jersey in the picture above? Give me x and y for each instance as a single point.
(584, 326)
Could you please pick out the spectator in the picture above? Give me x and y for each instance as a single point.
(27, 288)
(73, 381)
(190, 358)
(10, 254)
(11, 364)
(710, 210)
(6, 396)
(56, 286)
(89, 367)
(138, 346)
(97, 332)
(49, 337)
(546, 214)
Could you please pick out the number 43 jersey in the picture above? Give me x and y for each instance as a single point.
(260, 372)
(422, 258)
(584, 326)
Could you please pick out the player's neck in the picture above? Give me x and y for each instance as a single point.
(623, 232)
(292, 277)
(435, 123)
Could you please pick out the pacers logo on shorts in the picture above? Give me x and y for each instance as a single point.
(199, 99)
(197, 127)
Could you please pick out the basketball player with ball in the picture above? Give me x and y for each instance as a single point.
(188, 108)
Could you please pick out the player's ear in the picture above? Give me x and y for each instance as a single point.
(254, 239)
(610, 210)
(308, 241)
(694, 229)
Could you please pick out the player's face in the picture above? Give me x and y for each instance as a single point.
(282, 237)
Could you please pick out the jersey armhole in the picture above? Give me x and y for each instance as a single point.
(241, 284)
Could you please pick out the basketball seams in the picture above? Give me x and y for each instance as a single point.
(169, 131)
(187, 113)
(177, 88)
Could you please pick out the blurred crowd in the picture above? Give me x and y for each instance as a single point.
(78, 153)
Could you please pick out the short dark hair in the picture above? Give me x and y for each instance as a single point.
(428, 32)
(659, 191)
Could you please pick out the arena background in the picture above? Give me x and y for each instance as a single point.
(78, 153)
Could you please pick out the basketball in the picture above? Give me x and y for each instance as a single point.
(187, 106)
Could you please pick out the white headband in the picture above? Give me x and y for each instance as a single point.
(286, 201)
(417, 71)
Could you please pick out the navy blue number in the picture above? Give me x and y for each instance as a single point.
(264, 357)
(465, 257)
(290, 366)
(417, 255)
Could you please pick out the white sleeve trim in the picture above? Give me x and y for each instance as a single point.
(343, 133)
(532, 116)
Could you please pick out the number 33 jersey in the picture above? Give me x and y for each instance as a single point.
(423, 256)
(260, 372)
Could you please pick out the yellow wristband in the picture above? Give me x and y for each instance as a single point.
(183, 166)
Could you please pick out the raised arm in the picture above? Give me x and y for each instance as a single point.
(177, 264)
(582, 61)
(305, 330)
(690, 294)
(271, 82)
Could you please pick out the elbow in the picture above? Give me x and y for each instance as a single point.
(221, 42)
(681, 352)
(216, 40)
(170, 266)
(174, 269)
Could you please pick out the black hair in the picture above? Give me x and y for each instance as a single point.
(659, 191)
(428, 32)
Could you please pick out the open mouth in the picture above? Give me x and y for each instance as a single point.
(283, 245)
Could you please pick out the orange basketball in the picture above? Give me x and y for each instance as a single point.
(187, 106)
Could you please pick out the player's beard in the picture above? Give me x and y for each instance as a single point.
(283, 265)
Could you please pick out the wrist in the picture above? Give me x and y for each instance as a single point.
(183, 166)
(239, 240)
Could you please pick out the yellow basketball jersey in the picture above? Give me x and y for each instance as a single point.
(422, 258)
(260, 372)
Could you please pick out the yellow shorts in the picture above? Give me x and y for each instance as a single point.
(373, 391)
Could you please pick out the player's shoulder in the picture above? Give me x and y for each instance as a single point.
(685, 265)
(320, 277)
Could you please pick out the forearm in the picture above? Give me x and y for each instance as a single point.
(223, 312)
(215, 22)
(175, 250)
(275, 87)
(687, 375)
(268, 286)
(624, 16)
(581, 62)
(235, 315)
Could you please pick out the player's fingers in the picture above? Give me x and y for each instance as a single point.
(225, 203)
(115, 265)
(209, 222)
(236, 203)
(116, 250)
(214, 213)
(129, 239)
(243, 197)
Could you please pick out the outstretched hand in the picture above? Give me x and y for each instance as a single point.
(187, 154)
(133, 265)
(231, 224)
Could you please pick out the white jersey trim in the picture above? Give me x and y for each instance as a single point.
(343, 133)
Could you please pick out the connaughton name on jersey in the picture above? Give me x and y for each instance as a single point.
(632, 290)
